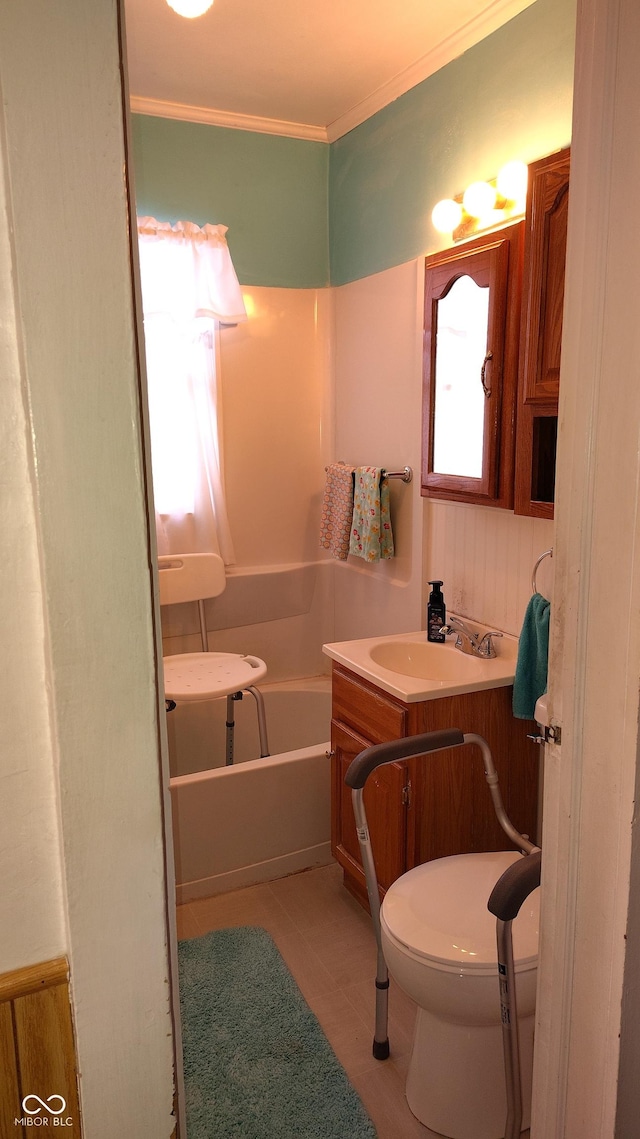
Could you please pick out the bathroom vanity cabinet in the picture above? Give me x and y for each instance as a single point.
(423, 809)
(541, 338)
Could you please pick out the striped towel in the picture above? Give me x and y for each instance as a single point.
(371, 536)
(337, 510)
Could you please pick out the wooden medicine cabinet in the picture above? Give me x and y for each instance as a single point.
(492, 365)
(541, 338)
(471, 334)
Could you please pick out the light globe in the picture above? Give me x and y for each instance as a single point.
(512, 181)
(479, 199)
(446, 215)
(190, 8)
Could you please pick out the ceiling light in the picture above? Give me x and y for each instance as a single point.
(484, 205)
(190, 8)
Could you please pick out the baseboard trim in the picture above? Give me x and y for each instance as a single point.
(292, 863)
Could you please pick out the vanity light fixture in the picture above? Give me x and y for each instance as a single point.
(190, 8)
(484, 205)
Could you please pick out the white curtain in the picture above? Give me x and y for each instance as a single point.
(189, 286)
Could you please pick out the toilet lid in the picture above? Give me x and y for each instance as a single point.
(439, 910)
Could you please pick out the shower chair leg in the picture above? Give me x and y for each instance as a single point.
(230, 726)
(262, 720)
(231, 723)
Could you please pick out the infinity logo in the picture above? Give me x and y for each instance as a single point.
(44, 1104)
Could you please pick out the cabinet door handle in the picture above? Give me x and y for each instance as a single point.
(483, 371)
(330, 754)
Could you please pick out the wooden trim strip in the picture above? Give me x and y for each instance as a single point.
(33, 978)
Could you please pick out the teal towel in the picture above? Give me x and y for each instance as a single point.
(533, 654)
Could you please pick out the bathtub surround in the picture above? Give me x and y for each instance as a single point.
(272, 815)
(276, 380)
(285, 611)
(298, 713)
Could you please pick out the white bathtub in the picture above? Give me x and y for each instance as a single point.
(262, 818)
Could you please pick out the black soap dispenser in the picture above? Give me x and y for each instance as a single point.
(436, 614)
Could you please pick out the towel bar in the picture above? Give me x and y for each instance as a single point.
(547, 554)
(406, 474)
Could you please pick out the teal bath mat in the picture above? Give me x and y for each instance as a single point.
(257, 1064)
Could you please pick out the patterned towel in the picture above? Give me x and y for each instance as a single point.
(371, 536)
(337, 510)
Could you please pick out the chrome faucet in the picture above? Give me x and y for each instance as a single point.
(473, 644)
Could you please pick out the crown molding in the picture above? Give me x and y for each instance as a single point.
(493, 17)
(164, 110)
(482, 25)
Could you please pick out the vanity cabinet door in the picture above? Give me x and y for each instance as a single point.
(471, 331)
(385, 804)
(541, 341)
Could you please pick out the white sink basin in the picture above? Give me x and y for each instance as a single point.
(412, 668)
(427, 660)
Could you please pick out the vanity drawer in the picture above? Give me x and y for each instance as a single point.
(376, 716)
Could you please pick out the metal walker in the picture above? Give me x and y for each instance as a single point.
(412, 747)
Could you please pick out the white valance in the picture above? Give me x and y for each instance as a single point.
(187, 272)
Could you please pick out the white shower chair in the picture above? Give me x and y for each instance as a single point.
(190, 677)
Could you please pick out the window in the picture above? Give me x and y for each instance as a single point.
(188, 287)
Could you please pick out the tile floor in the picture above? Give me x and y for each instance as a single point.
(327, 942)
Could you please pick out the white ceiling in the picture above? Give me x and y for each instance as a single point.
(311, 69)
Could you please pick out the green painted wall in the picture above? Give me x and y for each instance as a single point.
(508, 97)
(271, 192)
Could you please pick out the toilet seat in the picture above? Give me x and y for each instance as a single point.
(438, 913)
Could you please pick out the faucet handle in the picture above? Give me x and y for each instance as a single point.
(486, 646)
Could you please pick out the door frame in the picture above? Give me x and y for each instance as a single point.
(163, 744)
(595, 643)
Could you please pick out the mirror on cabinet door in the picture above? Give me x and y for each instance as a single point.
(462, 355)
(472, 312)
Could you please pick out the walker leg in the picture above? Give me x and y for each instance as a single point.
(381, 1034)
(506, 973)
(262, 720)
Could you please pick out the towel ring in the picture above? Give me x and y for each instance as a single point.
(547, 554)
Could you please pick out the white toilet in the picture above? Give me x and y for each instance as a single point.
(439, 942)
